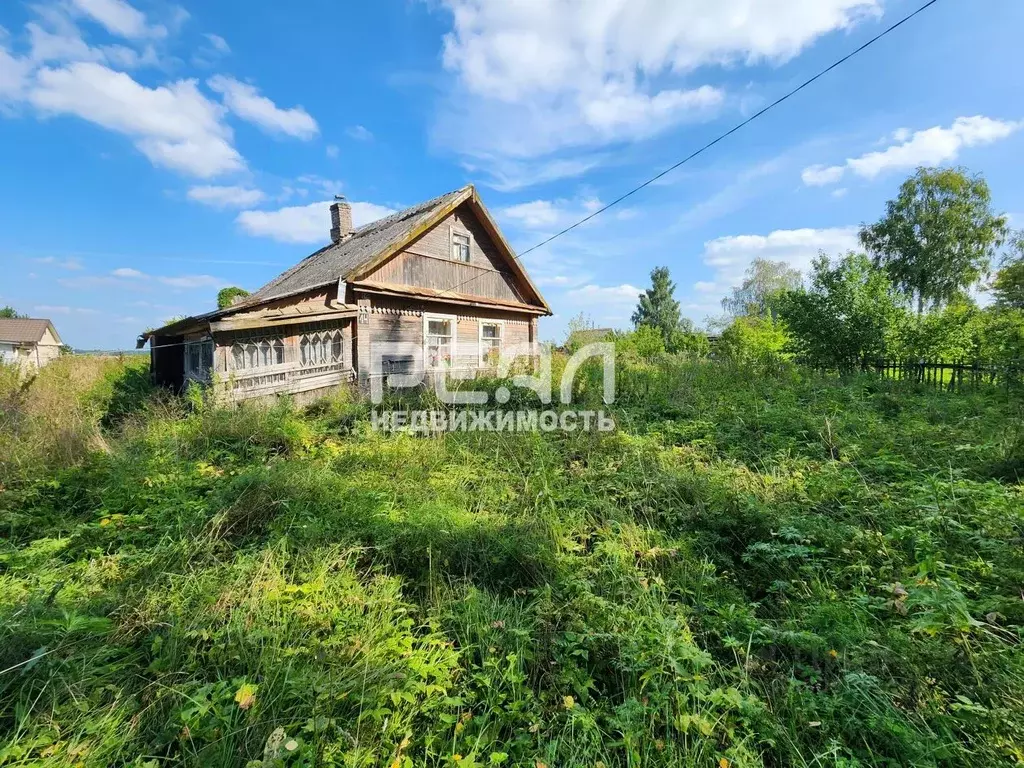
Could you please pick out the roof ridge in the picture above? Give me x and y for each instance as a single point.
(358, 248)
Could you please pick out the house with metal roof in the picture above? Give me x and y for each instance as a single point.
(433, 287)
(28, 342)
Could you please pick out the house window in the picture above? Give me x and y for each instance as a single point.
(199, 359)
(257, 353)
(439, 338)
(321, 348)
(460, 247)
(490, 342)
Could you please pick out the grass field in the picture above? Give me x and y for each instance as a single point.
(753, 570)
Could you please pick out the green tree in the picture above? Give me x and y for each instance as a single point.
(846, 318)
(1008, 287)
(227, 296)
(754, 340)
(9, 313)
(951, 334)
(764, 279)
(658, 308)
(937, 237)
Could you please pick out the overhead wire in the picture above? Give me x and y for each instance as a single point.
(722, 137)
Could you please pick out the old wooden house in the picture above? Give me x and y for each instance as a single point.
(438, 277)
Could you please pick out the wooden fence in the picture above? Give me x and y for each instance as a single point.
(953, 377)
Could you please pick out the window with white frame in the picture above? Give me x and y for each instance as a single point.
(439, 340)
(199, 358)
(249, 354)
(491, 333)
(321, 348)
(460, 247)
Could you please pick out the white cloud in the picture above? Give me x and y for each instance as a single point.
(120, 18)
(548, 214)
(127, 278)
(325, 186)
(13, 75)
(606, 305)
(63, 42)
(539, 76)
(246, 101)
(932, 146)
(820, 175)
(506, 175)
(193, 281)
(175, 126)
(71, 264)
(50, 309)
(225, 197)
(359, 133)
(598, 295)
(730, 256)
(306, 224)
(839, 193)
(332, 151)
(218, 43)
(561, 281)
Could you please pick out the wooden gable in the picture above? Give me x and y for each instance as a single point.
(427, 263)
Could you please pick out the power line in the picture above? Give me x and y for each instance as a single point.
(718, 140)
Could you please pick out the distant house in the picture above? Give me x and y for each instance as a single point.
(28, 342)
(438, 277)
(586, 336)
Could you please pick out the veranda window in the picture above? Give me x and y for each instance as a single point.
(439, 341)
(321, 348)
(257, 353)
(199, 358)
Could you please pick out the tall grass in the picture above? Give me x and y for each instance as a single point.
(756, 569)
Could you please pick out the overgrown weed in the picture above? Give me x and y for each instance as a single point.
(759, 568)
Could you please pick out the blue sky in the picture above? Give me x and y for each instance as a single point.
(155, 151)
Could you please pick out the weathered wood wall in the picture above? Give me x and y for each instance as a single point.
(427, 263)
(401, 320)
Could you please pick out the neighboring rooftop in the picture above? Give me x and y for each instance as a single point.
(24, 330)
(589, 336)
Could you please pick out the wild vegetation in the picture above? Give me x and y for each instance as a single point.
(767, 564)
(757, 568)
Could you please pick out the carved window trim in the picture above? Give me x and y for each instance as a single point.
(323, 347)
(257, 352)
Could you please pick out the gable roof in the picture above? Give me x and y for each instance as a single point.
(23, 330)
(367, 248)
(378, 241)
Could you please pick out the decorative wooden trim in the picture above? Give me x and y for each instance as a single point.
(380, 310)
(441, 297)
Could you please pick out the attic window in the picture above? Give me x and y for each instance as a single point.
(460, 247)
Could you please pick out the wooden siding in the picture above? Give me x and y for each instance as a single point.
(401, 320)
(427, 263)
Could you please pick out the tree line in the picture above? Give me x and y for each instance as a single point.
(912, 292)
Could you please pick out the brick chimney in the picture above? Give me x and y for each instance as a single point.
(341, 220)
